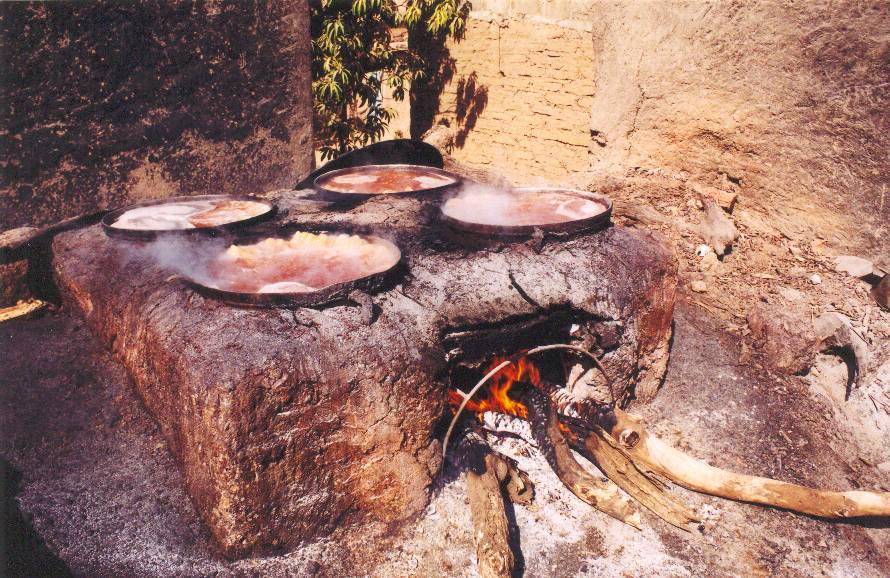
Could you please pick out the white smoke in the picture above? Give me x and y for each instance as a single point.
(188, 257)
(478, 203)
(302, 263)
(488, 205)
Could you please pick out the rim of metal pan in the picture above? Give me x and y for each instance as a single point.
(319, 183)
(323, 296)
(595, 222)
(150, 234)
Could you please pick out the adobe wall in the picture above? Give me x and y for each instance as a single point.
(785, 103)
(521, 90)
(108, 103)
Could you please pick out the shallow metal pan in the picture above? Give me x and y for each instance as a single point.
(335, 195)
(387, 152)
(324, 296)
(150, 234)
(598, 221)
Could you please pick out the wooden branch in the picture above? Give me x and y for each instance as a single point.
(16, 242)
(652, 456)
(701, 477)
(582, 351)
(22, 309)
(601, 494)
(491, 534)
(514, 481)
(604, 451)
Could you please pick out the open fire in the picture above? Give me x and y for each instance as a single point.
(498, 394)
(617, 443)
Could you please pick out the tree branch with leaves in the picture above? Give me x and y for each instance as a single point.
(353, 59)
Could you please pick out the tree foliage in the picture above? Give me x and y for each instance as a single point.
(353, 59)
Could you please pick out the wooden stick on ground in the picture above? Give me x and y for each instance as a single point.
(486, 470)
(610, 457)
(601, 494)
(701, 477)
(22, 309)
(653, 456)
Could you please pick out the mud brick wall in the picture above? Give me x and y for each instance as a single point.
(521, 90)
(109, 102)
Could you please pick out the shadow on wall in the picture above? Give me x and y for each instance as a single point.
(22, 550)
(426, 92)
(471, 101)
(93, 90)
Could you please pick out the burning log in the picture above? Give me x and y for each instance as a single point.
(620, 446)
(487, 473)
(546, 430)
(601, 494)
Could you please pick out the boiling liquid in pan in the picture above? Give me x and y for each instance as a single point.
(304, 263)
(530, 208)
(189, 214)
(386, 180)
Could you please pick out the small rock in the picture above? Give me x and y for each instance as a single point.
(725, 199)
(717, 229)
(698, 286)
(709, 262)
(702, 250)
(790, 294)
(784, 336)
(643, 215)
(815, 279)
(853, 266)
(884, 467)
(834, 332)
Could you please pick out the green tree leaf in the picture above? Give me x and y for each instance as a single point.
(353, 59)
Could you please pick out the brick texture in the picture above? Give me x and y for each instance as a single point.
(520, 97)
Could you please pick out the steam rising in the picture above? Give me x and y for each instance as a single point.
(487, 205)
(189, 258)
(303, 263)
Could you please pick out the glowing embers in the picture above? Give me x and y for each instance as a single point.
(385, 180)
(304, 263)
(496, 396)
(489, 210)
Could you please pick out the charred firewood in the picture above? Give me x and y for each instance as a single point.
(610, 457)
(487, 472)
(587, 433)
(653, 457)
(599, 493)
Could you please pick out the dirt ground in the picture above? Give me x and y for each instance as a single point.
(92, 490)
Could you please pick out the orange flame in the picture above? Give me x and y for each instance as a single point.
(497, 398)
